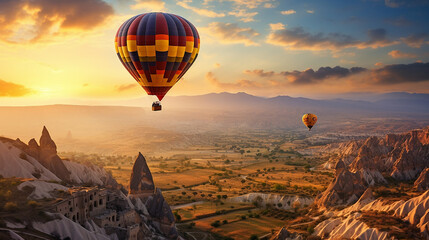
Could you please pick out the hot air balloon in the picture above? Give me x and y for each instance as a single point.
(309, 120)
(157, 49)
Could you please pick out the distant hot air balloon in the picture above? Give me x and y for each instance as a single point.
(157, 49)
(309, 120)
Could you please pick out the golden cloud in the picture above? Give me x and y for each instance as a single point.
(399, 54)
(231, 33)
(244, 15)
(150, 5)
(288, 12)
(200, 11)
(239, 84)
(8, 89)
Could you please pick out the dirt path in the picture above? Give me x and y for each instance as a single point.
(186, 205)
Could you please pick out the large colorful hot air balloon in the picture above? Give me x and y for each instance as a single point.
(309, 120)
(157, 49)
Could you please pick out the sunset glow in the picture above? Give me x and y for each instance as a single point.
(63, 52)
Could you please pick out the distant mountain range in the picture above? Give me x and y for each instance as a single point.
(217, 112)
(390, 102)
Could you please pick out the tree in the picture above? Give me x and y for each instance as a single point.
(177, 216)
(215, 224)
(254, 237)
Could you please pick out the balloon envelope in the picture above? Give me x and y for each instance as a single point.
(309, 120)
(157, 49)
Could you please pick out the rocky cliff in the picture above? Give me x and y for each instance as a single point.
(143, 191)
(403, 157)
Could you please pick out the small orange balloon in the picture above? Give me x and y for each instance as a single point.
(309, 120)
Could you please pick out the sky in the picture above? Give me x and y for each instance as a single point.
(61, 51)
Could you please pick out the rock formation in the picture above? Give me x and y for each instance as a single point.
(142, 190)
(422, 182)
(364, 162)
(46, 154)
(283, 234)
(141, 181)
(160, 211)
(345, 189)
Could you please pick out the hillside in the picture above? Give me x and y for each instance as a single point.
(42, 162)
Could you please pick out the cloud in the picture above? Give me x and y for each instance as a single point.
(311, 76)
(298, 39)
(259, 73)
(277, 26)
(200, 11)
(37, 20)
(288, 12)
(216, 65)
(415, 40)
(244, 15)
(269, 5)
(239, 84)
(378, 64)
(399, 22)
(401, 73)
(151, 5)
(406, 3)
(330, 79)
(231, 33)
(310, 11)
(249, 4)
(8, 89)
(399, 54)
(125, 87)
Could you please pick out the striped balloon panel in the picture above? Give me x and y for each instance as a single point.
(157, 49)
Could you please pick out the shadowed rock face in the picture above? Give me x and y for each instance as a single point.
(142, 188)
(281, 235)
(422, 182)
(141, 178)
(346, 188)
(158, 208)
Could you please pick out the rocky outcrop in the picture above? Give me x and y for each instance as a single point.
(283, 234)
(345, 189)
(402, 156)
(46, 154)
(141, 181)
(161, 213)
(143, 191)
(48, 157)
(345, 222)
(348, 228)
(422, 182)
